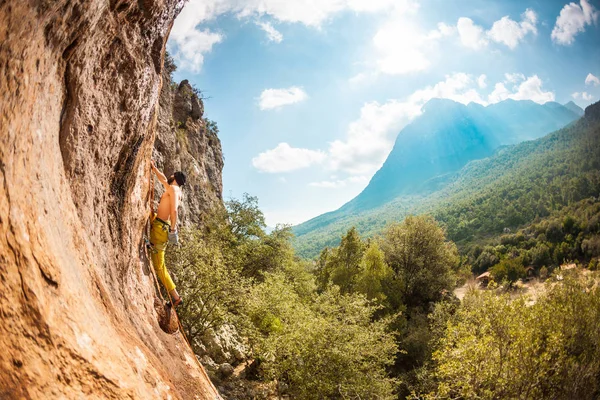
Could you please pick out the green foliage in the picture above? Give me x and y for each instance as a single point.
(373, 273)
(211, 127)
(509, 270)
(325, 346)
(341, 265)
(245, 217)
(169, 65)
(507, 190)
(497, 348)
(213, 290)
(422, 261)
(568, 234)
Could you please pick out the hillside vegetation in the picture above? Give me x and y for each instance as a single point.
(376, 317)
(506, 190)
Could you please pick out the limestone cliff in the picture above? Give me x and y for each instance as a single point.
(79, 87)
(188, 142)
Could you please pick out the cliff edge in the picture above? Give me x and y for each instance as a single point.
(79, 89)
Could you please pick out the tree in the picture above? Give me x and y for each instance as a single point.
(169, 65)
(245, 217)
(212, 289)
(324, 347)
(495, 347)
(509, 269)
(373, 272)
(422, 260)
(341, 265)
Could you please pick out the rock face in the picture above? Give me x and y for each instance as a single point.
(224, 345)
(187, 142)
(79, 87)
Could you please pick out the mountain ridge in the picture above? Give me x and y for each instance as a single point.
(472, 125)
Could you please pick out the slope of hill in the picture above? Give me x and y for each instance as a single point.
(493, 193)
(447, 136)
(575, 108)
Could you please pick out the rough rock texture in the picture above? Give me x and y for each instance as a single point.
(185, 142)
(224, 345)
(79, 84)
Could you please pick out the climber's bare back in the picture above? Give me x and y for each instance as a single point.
(173, 193)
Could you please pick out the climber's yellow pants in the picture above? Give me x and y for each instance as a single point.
(159, 236)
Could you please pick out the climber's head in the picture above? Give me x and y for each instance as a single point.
(178, 177)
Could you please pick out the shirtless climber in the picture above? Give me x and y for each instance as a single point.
(164, 228)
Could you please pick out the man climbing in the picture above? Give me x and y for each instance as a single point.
(164, 227)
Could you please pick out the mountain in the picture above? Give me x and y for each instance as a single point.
(574, 107)
(426, 157)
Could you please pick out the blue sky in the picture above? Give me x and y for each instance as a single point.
(310, 95)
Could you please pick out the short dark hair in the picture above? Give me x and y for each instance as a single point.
(179, 178)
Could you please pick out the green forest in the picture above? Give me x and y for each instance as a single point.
(375, 316)
(505, 191)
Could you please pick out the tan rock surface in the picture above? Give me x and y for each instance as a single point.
(79, 84)
(185, 143)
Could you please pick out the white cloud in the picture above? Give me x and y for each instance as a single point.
(308, 12)
(285, 158)
(457, 87)
(471, 35)
(572, 20)
(441, 31)
(481, 81)
(189, 43)
(527, 89)
(510, 32)
(339, 183)
(505, 30)
(592, 80)
(276, 98)
(583, 95)
(191, 47)
(272, 34)
(514, 77)
(370, 138)
(400, 46)
(360, 78)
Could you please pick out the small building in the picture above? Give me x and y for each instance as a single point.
(484, 278)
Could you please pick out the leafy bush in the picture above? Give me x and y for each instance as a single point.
(509, 269)
(423, 262)
(325, 346)
(212, 290)
(497, 348)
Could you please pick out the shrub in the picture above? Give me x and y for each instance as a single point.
(498, 348)
(325, 347)
(509, 269)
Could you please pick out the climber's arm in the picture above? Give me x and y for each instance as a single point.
(174, 205)
(161, 177)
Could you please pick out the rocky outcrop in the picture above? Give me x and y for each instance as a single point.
(79, 86)
(187, 142)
